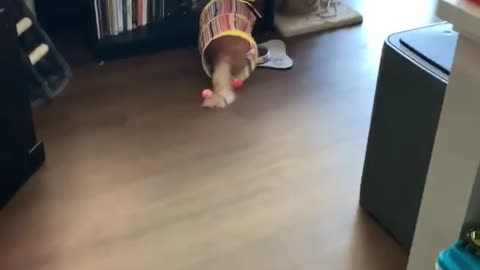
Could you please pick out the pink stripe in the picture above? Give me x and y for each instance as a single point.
(225, 20)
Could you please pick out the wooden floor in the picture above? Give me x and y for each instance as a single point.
(140, 177)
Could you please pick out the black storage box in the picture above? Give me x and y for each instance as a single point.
(412, 80)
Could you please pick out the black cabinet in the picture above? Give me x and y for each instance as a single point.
(411, 85)
(20, 152)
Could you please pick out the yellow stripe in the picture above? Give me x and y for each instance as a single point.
(235, 33)
(213, 1)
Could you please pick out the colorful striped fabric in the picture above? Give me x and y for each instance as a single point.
(228, 18)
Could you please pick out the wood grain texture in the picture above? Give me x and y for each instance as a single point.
(139, 176)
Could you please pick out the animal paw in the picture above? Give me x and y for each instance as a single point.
(219, 100)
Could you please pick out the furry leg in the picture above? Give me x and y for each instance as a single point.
(223, 94)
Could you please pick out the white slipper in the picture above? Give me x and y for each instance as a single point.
(276, 56)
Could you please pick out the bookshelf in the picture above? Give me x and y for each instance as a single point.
(173, 24)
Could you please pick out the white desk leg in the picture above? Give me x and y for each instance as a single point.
(455, 161)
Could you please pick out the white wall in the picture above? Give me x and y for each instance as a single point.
(473, 213)
(454, 166)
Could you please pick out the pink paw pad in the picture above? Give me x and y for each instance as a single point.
(207, 93)
(237, 84)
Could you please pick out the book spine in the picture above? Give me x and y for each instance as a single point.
(119, 15)
(140, 13)
(124, 15)
(144, 12)
(97, 18)
(129, 15)
(111, 18)
(156, 3)
(153, 10)
(134, 14)
(101, 10)
(104, 18)
(149, 11)
(108, 17)
(114, 14)
(162, 9)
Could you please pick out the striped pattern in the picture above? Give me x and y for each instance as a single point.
(228, 18)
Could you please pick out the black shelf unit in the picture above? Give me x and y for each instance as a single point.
(175, 31)
(21, 153)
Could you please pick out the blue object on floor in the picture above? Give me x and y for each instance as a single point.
(458, 258)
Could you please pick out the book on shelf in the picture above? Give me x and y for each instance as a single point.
(124, 15)
(98, 19)
(139, 12)
(129, 15)
(120, 15)
(113, 17)
(144, 15)
(134, 14)
(105, 26)
(151, 10)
